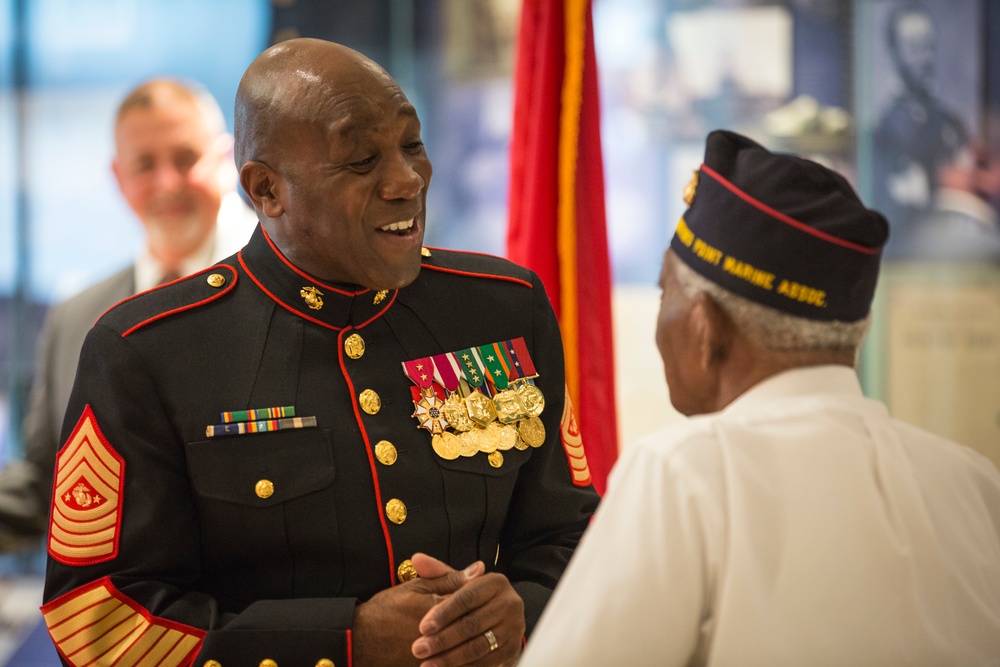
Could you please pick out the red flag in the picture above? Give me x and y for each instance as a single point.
(557, 225)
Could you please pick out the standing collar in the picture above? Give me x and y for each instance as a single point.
(331, 305)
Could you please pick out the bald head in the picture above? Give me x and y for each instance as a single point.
(330, 154)
(295, 82)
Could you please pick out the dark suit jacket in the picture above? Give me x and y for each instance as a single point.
(26, 486)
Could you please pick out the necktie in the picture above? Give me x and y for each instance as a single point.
(168, 277)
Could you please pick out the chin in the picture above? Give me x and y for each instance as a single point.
(399, 277)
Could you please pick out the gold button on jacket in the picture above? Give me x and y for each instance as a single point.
(385, 452)
(370, 401)
(406, 572)
(264, 488)
(354, 346)
(395, 509)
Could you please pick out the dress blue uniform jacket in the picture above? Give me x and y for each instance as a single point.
(162, 544)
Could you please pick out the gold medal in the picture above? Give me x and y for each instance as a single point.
(531, 398)
(532, 431)
(447, 445)
(506, 435)
(508, 405)
(495, 459)
(520, 444)
(480, 407)
(455, 413)
(470, 442)
(488, 441)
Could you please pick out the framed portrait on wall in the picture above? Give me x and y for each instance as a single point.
(929, 154)
(925, 110)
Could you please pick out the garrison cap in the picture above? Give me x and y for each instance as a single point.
(780, 230)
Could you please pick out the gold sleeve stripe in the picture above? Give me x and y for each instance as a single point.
(70, 607)
(86, 503)
(74, 539)
(97, 624)
(138, 647)
(87, 526)
(573, 445)
(103, 466)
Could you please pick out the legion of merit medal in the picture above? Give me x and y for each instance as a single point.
(426, 408)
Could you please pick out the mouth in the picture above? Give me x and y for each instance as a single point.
(403, 228)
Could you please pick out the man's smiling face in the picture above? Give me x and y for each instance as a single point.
(352, 182)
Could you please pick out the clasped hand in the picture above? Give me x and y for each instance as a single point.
(441, 619)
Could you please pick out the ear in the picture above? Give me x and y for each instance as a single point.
(712, 330)
(117, 171)
(263, 187)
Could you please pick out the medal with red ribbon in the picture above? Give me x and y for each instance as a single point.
(447, 371)
(427, 404)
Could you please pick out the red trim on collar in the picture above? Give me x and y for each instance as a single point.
(303, 315)
(279, 301)
(778, 215)
(371, 458)
(379, 313)
(190, 306)
(303, 273)
(478, 275)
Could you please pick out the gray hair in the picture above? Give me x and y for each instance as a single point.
(771, 328)
(154, 91)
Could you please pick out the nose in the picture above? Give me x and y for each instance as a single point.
(167, 178)
(402, 178)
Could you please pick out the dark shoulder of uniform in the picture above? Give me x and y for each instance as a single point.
(476, 265)
(189, 293)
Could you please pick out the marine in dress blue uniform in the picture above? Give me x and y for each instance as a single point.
(168, 544)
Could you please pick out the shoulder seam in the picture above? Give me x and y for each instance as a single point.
(473, 274)
(191, 306)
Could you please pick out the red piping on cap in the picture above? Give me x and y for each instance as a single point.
(784, 218)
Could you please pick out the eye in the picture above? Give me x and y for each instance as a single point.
(143, 165)
(365, 164)
(413, 146)
(185, 160)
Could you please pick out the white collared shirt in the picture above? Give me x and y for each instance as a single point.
(802, 525)
(235, 224)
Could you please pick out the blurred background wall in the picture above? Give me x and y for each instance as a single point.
(908, 107)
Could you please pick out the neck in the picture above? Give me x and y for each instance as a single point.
(748, 365)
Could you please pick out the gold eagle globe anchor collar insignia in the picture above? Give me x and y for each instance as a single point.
(481, 399)
(312, 296)
(332, 305)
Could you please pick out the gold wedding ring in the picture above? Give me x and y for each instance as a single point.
(492, 639)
